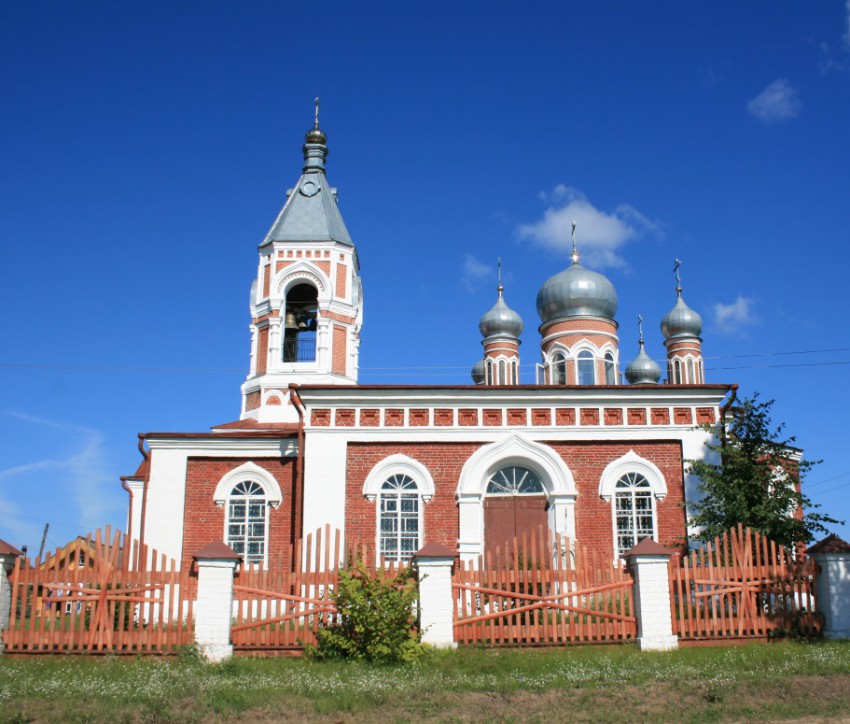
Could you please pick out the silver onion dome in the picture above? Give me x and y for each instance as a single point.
(576, 292)
(501, 319)
(478, 373)
(643, 370)
(681, 321)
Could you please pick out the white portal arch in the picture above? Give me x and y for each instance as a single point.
(513, 449)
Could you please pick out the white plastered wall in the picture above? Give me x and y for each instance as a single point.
(324, 481)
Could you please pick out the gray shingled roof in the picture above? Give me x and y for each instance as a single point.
(310, 214)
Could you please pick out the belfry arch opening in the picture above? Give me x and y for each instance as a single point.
(300, 321)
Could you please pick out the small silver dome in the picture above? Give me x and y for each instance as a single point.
(681, 321)
(576, 292)
(643, 370)
(478, 373)
(501, 319)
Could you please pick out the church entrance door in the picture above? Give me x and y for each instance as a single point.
(515, 504)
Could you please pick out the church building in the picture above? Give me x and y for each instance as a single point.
(396, 466)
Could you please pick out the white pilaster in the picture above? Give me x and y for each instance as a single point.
(436, 611)
(648, 562)
(214, 605)
(832, 590)
(7, 563)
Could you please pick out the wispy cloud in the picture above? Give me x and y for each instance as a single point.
(600, 234)
(474, 272)
(85, 474)
(737, 317)
(846, 37)
(776, 103)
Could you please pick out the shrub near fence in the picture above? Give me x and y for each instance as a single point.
(280, 607)
(119, 599)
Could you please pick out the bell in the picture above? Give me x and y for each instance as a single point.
(289, 322)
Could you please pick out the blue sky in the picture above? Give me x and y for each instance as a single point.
(147, 149)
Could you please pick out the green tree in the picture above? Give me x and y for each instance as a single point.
(757, 481)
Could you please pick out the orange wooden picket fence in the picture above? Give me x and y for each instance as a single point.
(280, 608)
(742, 586)
(542, 590)
(104, 594)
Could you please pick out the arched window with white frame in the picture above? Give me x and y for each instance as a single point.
(634, 511)
(558, 369)
(247, 522)
(400, 487)
(634, 486)
(586, 368)
(400, 518)
(247, 493)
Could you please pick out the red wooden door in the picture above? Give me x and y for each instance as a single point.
(509, 516)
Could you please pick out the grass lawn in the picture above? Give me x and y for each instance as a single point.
(599, 684)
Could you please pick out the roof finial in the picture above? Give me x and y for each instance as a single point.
(640, 330)
(575, 248)
(316, 121)
(676, 264)
(500, 288)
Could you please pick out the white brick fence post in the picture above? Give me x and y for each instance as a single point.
(436, 610)
(214, 607)
(8, 555)
(832, 587)
(648, 561)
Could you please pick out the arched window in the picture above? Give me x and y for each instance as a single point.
(514, 480)
(503, 372)
(247, 521)
(677, 377)
(701, 372)
(610, 370)
(299, 324)
(692, 378)
(514, 373)
(634, 511)
(399, 518)
(586, 368)
(488, 373)
(559, 369)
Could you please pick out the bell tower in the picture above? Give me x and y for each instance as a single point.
(306, 302)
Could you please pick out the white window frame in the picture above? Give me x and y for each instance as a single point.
(383, 471)
(398, 515)
(247, 500)
(631, 462)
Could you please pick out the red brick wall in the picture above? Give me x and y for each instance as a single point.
(587, 461)
(203, 520)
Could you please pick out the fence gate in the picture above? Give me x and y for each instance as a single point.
(541, 590)
(742, 586)
(97, 595)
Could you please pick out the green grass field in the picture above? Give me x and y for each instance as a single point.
(604, 684)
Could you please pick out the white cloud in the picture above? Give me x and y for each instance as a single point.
(776, 103)
(736, 317)
(474, 272)
(85, 474)
(600, 235)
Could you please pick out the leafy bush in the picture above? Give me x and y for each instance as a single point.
(375, 619)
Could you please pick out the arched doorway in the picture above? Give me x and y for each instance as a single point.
(515, 504)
